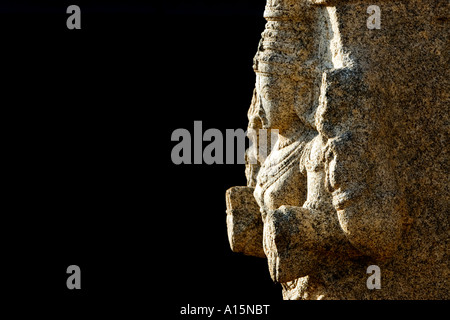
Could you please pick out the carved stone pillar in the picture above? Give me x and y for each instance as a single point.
(359, 174)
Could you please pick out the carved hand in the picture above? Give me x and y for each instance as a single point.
(289, 240)
(244, 224)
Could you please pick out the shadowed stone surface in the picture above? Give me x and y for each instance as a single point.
(358, 175)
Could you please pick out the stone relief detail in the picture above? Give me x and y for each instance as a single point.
(339, 190)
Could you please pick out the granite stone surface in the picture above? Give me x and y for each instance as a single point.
(359, 173)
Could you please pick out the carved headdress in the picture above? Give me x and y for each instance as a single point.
(287, 50)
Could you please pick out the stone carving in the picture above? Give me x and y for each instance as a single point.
(358, 175)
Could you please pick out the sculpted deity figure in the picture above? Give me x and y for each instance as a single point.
(282, 102)
(293, 173)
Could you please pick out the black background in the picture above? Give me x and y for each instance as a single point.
(88, 118)
(92, 112)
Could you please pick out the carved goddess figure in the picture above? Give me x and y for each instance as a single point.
(282, 101)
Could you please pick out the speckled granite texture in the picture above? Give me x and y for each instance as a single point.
(359, 173)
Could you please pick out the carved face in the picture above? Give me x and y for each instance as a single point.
(344, 173)
(276, 100)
